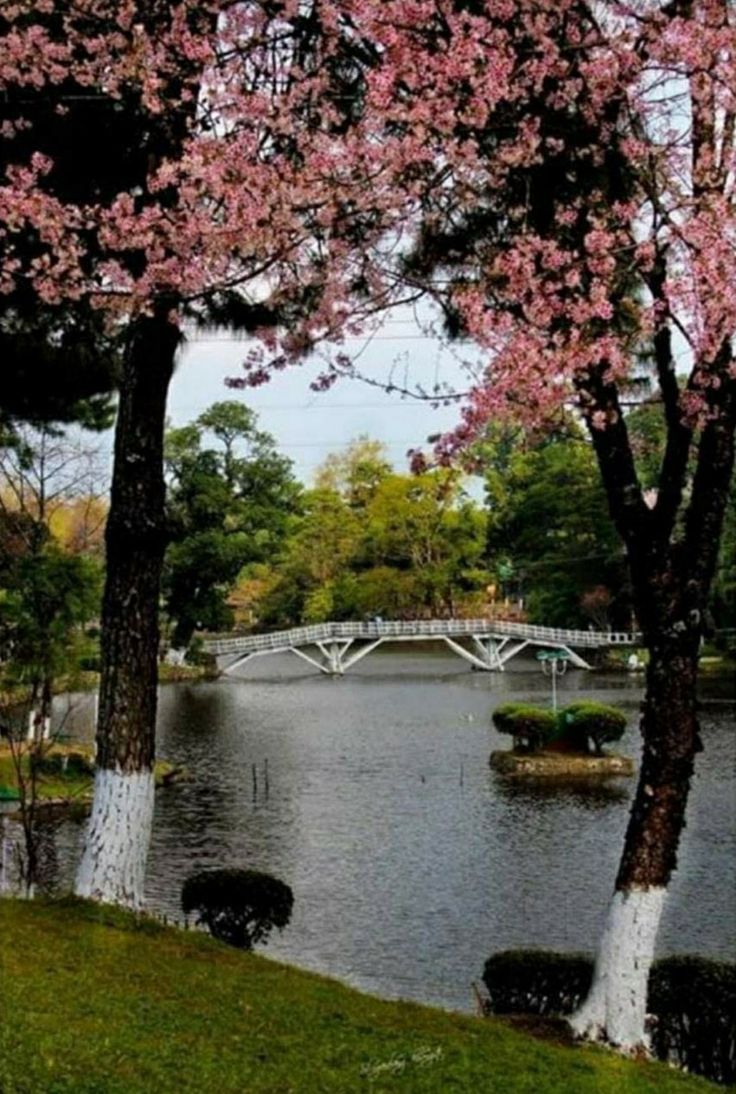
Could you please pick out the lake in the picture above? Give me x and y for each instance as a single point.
(410, 860)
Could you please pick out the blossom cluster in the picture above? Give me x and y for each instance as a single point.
(561, 181)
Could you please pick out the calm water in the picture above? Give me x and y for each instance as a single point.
(410, 860)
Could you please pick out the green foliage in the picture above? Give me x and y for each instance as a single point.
(199, 657)
(648, 433)
(319, 604)
(229, 506)
(534, 727)
(399, 546)
(189, 1016)
(548, 517)
(315, 560)
(47, 596)
(356, 473)
(388, 592)
(531, 727)
(60, 363)
(585, 721)
(43, 764)
(240, 907)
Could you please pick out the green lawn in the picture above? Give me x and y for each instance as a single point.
(93, 1001)
(72, 786)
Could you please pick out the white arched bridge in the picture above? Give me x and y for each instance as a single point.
(486, 644)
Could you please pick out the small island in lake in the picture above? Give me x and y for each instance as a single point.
(566, 743)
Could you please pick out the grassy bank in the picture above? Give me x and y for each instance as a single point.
(93, 1002)
(712, 662)
(72, 785)
(84, 680)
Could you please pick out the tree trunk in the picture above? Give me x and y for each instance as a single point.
(615, 1009)
(116, 846)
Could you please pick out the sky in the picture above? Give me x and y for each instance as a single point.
(309, 425)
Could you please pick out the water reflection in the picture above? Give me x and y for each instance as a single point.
(580, 792)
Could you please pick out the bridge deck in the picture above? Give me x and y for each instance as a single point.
(417, 629)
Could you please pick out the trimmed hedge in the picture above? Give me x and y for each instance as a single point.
(578, 724)
(531, 727)
(536, 981)
(240, 907)
(597, 722)
(692, 1001)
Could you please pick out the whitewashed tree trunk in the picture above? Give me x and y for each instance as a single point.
(114, 857)
(113, 865)
(616, 1006)
(39, 726)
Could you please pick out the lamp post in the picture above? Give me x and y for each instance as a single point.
(554, 664)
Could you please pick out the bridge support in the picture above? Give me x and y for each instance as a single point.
(491, 654)
(575, 658)
(334, 653)
(486, 655)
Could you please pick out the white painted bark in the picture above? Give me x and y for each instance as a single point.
(113, 863)
(36, 723)
(5, 856)
(616, 1006)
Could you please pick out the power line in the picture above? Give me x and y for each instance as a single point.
(341, 443)
(196, 341)
(390, 404)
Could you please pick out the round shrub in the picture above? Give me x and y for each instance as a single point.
(595, 722)
(531, 727)
(240, 907)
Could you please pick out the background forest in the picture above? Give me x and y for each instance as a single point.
(251, 547)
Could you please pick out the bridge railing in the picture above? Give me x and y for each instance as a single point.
(417, 628)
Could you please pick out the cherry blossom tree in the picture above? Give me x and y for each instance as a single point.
(556, 176)
(569, 173)
(163, 165)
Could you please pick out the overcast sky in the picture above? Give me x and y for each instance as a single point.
(308, 425)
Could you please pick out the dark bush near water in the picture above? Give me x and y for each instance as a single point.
(240, 907)
(692, 1002)
(72, 764)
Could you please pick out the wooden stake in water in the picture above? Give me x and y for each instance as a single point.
(254, 775)
(265, 778)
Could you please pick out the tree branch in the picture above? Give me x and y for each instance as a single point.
(712, 480)
(679, 435)
(631, 515)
